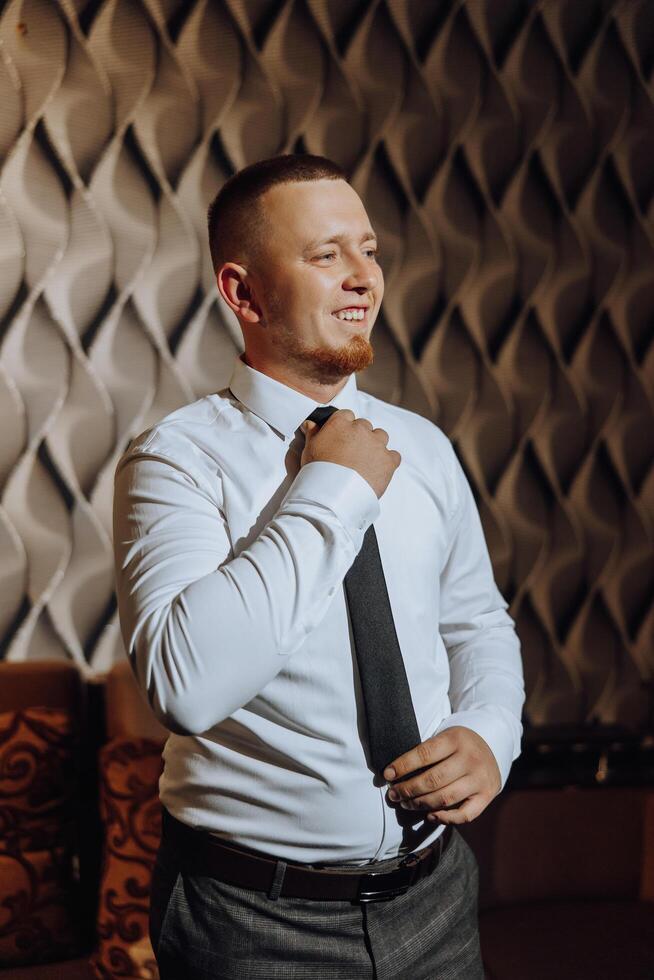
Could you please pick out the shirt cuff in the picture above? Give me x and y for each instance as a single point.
(493, 730)
(341, 489)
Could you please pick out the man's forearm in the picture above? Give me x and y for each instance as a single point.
(205, 634)
(486, 673)
(487, 693)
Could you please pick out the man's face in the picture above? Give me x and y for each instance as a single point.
(319, 257)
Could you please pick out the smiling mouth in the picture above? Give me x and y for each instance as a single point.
(359, 319)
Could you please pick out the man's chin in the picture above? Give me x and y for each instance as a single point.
(331, 364)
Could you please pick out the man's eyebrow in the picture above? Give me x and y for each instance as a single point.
(340, 238)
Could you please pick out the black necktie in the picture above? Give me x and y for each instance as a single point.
(392, 725)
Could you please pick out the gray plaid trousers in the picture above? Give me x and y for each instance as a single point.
(204, 929)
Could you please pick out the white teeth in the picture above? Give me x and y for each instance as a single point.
(350, 314)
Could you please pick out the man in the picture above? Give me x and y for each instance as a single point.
(237, 521)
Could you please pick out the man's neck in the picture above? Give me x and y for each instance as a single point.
(322, 393)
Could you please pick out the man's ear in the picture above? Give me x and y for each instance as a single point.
(235, 288)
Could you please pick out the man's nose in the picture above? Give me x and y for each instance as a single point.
(362, 274)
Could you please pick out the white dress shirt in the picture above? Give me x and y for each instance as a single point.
(230, 560)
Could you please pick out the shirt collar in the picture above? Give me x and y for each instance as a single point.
(282, 407)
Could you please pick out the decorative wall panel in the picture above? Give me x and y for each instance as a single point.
(505, 152)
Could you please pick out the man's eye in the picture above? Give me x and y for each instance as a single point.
(373, 251)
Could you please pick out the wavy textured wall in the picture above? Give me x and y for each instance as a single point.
(505, 152)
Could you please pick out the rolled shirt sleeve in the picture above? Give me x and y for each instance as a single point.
(486, 673)
(205, 630)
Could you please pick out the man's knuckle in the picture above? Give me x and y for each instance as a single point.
(433, 779)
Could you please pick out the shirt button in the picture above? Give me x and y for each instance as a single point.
(331, 592)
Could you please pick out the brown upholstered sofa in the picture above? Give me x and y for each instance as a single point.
(566, 873)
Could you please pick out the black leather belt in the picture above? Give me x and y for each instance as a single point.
(202, 853)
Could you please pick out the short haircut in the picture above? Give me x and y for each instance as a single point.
(237, 224)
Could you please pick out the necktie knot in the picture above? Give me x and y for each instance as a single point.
(322, 413)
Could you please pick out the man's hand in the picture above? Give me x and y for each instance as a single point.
(352, 442)
(455, 767)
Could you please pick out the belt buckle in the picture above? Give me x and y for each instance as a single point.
(397, 883)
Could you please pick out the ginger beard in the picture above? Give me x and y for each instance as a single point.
(326, 365)
(320, 363)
